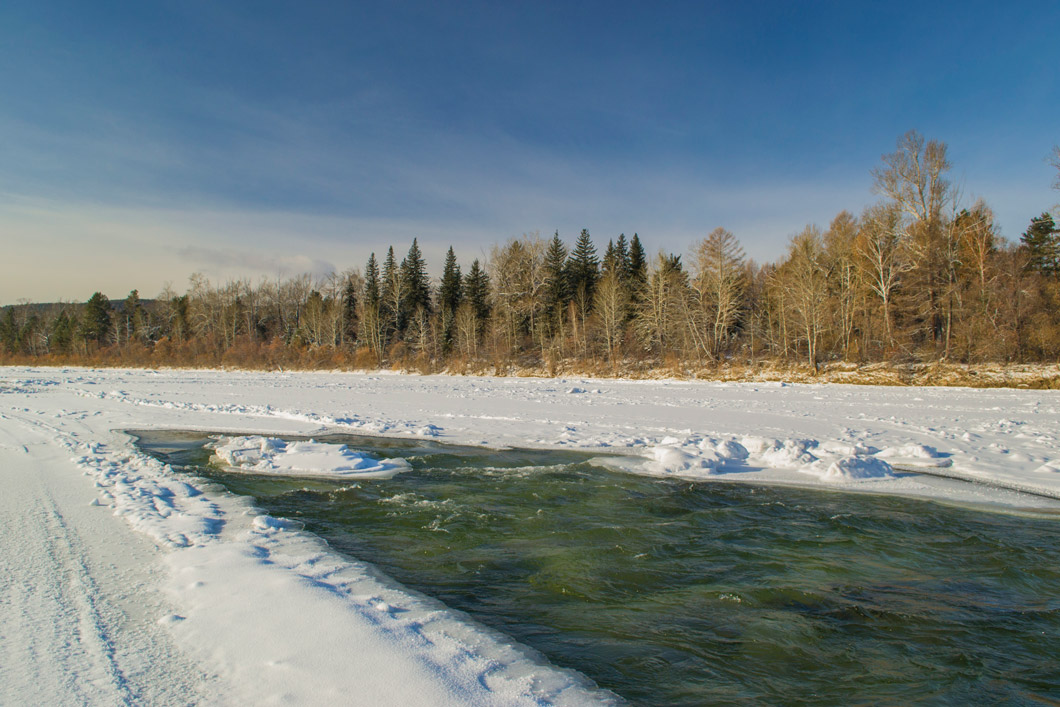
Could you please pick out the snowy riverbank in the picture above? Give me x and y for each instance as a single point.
(212, 602)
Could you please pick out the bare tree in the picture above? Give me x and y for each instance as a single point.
(718, 283)
(466, 324)
(979, 308)
(912, 177)
(803, 277)
(844, 277)
(659, 315)
(519, 279)
(882, 248)
(1054, 160)
(610, 303)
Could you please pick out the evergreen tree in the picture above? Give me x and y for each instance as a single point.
(616, 257)
(371, 282)
(415, 282)
(451, 290)
(638, 263)
(9, 330)
(371, 320)
(476, 292)
(584, 269)
(62, 333)
(450, 294)
(390, 272)
(95, 319)
(390, 305)
(622, 255)
(557, 290)
(611, 261)
(1042, 240)
(349, 311)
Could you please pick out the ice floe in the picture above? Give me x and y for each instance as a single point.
(270, 455)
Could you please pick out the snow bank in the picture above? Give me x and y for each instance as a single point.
(668, 459)
(919, 452)
(776, 453)
(709, 457)
(270, 455)
(855, 467)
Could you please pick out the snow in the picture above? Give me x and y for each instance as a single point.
(670, 459)
(857, 467)
(124, 583)
(269, 455)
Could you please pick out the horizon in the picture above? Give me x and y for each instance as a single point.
(144, 144)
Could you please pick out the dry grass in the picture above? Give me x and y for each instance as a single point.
(276, 355)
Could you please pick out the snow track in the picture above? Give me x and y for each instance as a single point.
(72, 629)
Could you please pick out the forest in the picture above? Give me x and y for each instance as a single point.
(917, 277)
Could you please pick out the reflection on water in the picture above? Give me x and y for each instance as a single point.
(677, 593)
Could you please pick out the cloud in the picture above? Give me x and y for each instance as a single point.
(221, 260)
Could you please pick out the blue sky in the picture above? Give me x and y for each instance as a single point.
(143, 141)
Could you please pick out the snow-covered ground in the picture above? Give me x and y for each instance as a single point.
(121, 583)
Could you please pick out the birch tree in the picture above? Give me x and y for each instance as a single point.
(883, 256)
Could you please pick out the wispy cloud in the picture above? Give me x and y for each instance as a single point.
(232, 260)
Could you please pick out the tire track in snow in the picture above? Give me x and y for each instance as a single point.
(55, 641)
(77, 620)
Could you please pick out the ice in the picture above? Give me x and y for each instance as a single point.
(270, 455)
(910, 451)
(784, 453)
(730, 449)
(674, 460)
(857, 467)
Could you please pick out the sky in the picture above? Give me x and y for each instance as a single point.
(141, 142)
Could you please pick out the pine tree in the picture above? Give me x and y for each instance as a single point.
(62, 333)
(371, 282)
(349, 311)
(9, 330)
(95, 319)
(1042, 240)
(616, 257)
(611, 261)
(392, 296)
(584, 269)
(557, 290)
(450, 294)
(622, 255)
(451, 290)
(371, 321)
(476, 292)
(638, 264)
(415, 282)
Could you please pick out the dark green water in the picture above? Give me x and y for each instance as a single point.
(673, 593)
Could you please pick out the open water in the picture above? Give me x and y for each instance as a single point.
(678, 593)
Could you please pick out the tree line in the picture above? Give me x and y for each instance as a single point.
(916, 277)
